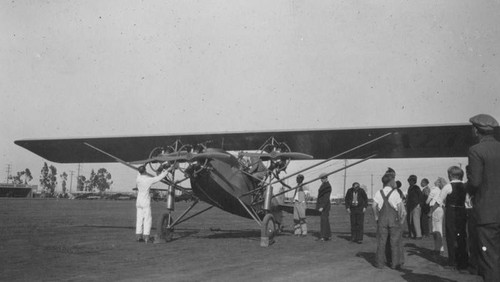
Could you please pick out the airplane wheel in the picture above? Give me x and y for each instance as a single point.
(268, 230)
(164, 231)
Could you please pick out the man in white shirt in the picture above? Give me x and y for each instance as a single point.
(389, 213)
(143, 203)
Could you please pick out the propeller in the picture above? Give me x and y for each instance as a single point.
(164, 158)
(277, 155)
(183, 156)
(209, 155)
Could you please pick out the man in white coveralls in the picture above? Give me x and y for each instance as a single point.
(143, 203)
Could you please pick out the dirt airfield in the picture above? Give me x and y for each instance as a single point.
(93, 240)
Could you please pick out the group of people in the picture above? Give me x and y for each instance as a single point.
(322, 205)
(467, 212)
(462, 210)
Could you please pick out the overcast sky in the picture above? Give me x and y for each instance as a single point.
(119, 68)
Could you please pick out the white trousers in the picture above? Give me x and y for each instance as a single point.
(144, 220)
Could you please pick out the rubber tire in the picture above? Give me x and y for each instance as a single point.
(268, 228)
(164, 232)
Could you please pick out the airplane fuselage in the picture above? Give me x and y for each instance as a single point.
(222, 183)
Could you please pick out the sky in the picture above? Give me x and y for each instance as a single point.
(125, 68)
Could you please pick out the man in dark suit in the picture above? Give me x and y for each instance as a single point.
(413, 208)
(484, 185)
(323, 206)
(424, 216)
(356, 202)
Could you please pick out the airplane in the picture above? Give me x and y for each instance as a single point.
(227, 170)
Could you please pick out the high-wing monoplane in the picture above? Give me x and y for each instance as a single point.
(236, 171)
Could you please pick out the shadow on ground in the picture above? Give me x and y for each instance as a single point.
(106, 226)
(233, 234)
(408, 274)
(417, 277)
(427, 254)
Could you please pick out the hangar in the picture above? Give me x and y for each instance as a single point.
(17, 190)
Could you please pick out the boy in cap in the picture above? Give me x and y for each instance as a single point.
(484, 186)
(323, 206)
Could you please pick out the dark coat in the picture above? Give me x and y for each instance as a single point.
(362, 198)
(324, 195)
(484, 180)
(414, 197)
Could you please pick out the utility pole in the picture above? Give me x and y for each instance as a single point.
(372, 185)
(77, 177)
(70, 180)
(345, 176)
(8, 173)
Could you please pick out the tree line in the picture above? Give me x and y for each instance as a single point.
(97, 181)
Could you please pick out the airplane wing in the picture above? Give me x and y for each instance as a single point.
(404, 142)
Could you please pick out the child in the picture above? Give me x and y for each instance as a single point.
(455, 219)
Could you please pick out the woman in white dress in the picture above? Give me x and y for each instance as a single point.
(437, 214)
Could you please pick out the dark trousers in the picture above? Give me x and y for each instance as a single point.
(456, 236)
(393, 231)
(325, 230)
(424, 220)
(388, 249)
(357, 224)
(489, 251)
(472, 240)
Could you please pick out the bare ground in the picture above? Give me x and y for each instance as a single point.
(85, 240)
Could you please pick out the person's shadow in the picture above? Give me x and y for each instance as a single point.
(424, 253)
(408, 275)
(419, 277)
(347, 235)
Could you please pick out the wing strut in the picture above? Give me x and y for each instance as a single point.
(322, 162)
(180, 218)
(250, 212)
(330, 173)
(335, 157)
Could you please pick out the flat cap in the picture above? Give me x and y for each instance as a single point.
(323, 175)
(484, 122)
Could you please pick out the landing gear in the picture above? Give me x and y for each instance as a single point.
(268, 230)
(165, 229)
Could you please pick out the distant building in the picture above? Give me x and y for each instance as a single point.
(17, 190)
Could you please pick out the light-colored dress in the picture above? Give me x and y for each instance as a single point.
(437, 217)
